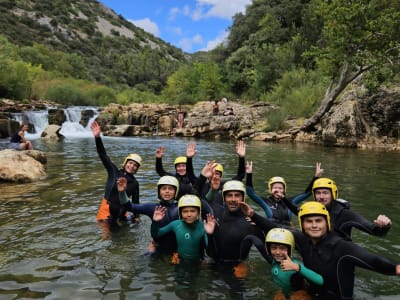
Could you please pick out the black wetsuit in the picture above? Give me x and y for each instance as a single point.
(117, 211)
(343, 219)
(276, 209)
(185, 182)
(335, 259)
(226, 244)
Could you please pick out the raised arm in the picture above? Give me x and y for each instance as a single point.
(190, 153)
(252, 194)
(241, 152)
(159, 165)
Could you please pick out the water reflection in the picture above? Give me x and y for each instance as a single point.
(53, 248)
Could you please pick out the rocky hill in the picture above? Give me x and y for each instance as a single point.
(106, 41)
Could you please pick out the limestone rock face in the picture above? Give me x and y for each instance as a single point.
(22, 166)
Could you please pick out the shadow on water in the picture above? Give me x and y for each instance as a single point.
(53, 248)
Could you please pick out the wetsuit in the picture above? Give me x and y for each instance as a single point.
(343, 219)
(226, 244)
(292, 280)
(111, 195)
(166, 243)
(273, 208)
(185, 182)
(191, 238)
(335, 259)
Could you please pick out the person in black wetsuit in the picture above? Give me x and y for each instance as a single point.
(273, 207)
(225, 245)
(110, 209)
(343, 218)
(326, 252)
(183, 169)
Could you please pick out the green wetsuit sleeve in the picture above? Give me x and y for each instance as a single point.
(210, 195)
(157, 231)
(309, 274)
(123, 198)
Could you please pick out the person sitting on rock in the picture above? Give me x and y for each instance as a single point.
(18, 140)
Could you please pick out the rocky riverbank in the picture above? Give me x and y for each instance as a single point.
(356, 120)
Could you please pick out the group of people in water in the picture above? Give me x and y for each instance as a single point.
(204, 218)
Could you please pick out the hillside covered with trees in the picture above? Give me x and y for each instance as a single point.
(300, 55)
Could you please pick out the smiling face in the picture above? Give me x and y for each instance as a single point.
(131, 167)
(167, 192)
(180, 169)
(278, 190)
(323, 195)
(232, 200)
(278, 251)
(189, 214)
(315, 226)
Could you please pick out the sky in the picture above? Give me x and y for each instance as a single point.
(191, 25)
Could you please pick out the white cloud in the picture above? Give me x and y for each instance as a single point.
(147, 25)
(219, 8)
(216, 42)
(187, 43)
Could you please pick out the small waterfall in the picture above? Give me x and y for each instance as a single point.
(70, 128)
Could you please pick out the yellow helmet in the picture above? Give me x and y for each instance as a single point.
(168, 180)
(280, 236)
(135, 157)
(180, 160)
(276, 179)
(219, 168)
(327, 184)
(233, 185)
(189, 200)
(313, 208)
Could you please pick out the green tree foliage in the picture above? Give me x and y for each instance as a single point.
(195, 82)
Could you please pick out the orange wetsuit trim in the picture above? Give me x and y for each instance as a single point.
(104, 210)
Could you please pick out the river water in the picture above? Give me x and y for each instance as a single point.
(53, 248)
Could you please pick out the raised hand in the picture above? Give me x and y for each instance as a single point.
(122, 183)
(159, 213)
(160, 152)
(191, 149)
(241, 148)
(288, 265)
(96, 129)
(246, 209)
(209, 224)
(318, 170)
(383, 221)
(249, 167)
(209, 169)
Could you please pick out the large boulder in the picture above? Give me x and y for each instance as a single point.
(52, 133)
(22, 166)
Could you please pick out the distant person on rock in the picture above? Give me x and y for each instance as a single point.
(18, 140)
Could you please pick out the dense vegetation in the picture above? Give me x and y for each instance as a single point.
(300, 54)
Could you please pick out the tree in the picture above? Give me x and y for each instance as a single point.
(357, 36)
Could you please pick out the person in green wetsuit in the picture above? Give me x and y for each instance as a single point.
(288, 272)
(190, 232)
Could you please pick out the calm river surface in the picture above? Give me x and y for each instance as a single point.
(51, 246)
